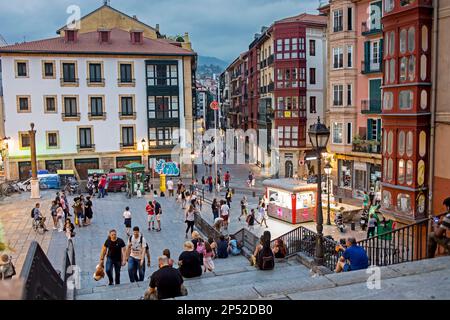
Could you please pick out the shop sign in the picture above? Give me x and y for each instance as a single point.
(421, 173)
(167, 168)
(360, 166)
(287, 114)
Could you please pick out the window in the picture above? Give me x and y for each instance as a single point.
(388, 5)
(390, 170)
(387, 199)
(338, 58)
(375, 55)
(405, 3)
(162, 75)
(163, 107)
(312, 75)
(126, 73)
(409, 172)
(96, 106)
(349, 19)
(401, 171)
(423, 67)
(401, 143)
(22, 69)
(338, 133)
(70, 107)
(403, 64)
(424, 99)
(338, 95)
(52, 139)
(337, 20)
(345, 173)
(422, 143)
(312, 47)
(50, 104)
(126, 106)
(95, 72)
(312, 105)
(412, 68)
(23, 104)
(69, 72)
(127, 136)
(24, 140)
(392, 71)
(349, 56)
(404, 202)
(391, 43)
(163, 136)
(403, 35)
(49, 70)
(409, 143)
(406, 100)
(349, 133)
(85, 138)
(411, 39)
(425, 38)
(388, 100)
(349, 95)
(390, 143)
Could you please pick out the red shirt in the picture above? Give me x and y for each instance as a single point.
(150, 210)
(102, 182)
(227, 176)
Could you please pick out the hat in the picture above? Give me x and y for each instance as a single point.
(99, 273)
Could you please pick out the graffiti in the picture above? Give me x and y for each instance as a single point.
(167, 168)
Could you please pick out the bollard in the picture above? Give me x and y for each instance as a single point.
(254, 194)
(352, 226)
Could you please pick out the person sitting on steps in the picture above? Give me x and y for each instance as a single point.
(439, 234)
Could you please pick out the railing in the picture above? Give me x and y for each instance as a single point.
(270, 60)
(406, 244)
(66, 116)
(366, 67)
(371, 106)
(94, 81)
(126, 81)
(367, 30)
(73, 81)
(367, 147)
(130, 114)
(96, 115)
(42, 281)
(205, 228)
(85, 147)
(247, 238)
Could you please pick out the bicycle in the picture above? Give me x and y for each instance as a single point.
(38, 226)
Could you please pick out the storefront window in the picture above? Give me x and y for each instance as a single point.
(345, 178)
(404, 203)
(401, 143)
(401, 171)
(387, 199)
(388, 100)
(409, 172)
(409, 144)
(360, 176)
(375, 178)
(403, 63)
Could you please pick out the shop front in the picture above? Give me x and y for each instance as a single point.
(52, 166)
(121, 162)
(291, 200)
(345, 178)
(83, 165)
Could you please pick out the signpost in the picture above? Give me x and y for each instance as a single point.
(215, 106)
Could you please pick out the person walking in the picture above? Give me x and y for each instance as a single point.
(39, 217)
(244, 210)
(190, 219)
(127, 220)
(251, 220)
(78, 211)
(88, 213)
(371, 226)
(227, 178)
(184, 194)
(53, 214)
(208, 256)
(158, 212)
(136, 248)
(179, 185)
(95, 181)
(215, 209)
(59, 218)
(225, 214)
(170, 187)
(210, 184)
(69, 229)
(150, 208)
(114, 249)
(65, 205)
(250, 179)
(262, 214)
(102, 187)
(228, 197)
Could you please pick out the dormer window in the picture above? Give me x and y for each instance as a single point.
(71, 35)
(104, 36)
(137, 37)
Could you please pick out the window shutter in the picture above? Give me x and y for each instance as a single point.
(379, 129)
(381, 47)
(369, 129)
(367, 56)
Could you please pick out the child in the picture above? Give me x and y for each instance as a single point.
(213, 246)
(68, 229)
(251, 219)
(244, 210)
(127, 220)
(166, 252)
(208, 257)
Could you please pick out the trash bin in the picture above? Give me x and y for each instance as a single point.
(352, 226)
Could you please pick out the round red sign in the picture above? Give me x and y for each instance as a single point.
(214, 105)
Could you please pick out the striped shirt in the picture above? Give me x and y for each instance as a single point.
(446, 222)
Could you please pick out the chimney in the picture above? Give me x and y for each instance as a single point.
(71, 35)
(135, 17)
(137, 36)
(157, 27)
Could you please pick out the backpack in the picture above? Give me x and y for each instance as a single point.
(201, 247)
(32, 213)
(140, 240)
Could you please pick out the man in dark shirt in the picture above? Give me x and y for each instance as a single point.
(166, 282)
(190, 262)
(355, 254)
(222, 247)
(114, 249)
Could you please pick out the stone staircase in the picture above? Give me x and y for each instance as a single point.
(236, 280)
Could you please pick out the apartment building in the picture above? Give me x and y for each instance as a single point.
(110, 93)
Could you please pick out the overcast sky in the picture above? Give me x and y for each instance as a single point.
(219, 28)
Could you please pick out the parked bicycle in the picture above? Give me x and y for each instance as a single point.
(38, 226)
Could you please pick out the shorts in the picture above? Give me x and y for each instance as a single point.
(158, 217)
(225, 218)
(151, 218)
(127, 223)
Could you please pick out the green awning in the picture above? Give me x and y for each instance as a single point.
(135, 167)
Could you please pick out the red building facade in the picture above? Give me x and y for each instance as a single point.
(406, 108)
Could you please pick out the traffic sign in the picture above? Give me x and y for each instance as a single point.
(214, 105)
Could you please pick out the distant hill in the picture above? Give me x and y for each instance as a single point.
(207, 61)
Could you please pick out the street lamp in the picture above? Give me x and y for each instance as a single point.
(327, 170)
(192, 162)
(35, 192)
(318, 135)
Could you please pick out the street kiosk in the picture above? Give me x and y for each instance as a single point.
(135, 178)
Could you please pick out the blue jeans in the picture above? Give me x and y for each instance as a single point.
(215, 214)
(133, 269)
(110, 264)
(101, 192)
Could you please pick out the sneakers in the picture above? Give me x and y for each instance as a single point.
(55, 228)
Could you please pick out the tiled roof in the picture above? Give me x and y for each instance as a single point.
(306, 18)
(88, 43)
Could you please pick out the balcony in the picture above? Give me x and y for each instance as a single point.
(370, 30)
(128, 146)
(69, 82)
(366, 146)
(263, 64)
(95, 82)
(270, 60)
(263, 90)
(368, 68)
(85, 147)
(372, 106)
(70, 116)
(97, 116)
(128, 115)
(126, 82)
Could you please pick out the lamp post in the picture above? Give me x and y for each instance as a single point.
(35, 192)
(327, 170)
(192, 163)
(143, 150)
(318, 135)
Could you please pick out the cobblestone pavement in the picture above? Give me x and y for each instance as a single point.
(16, 221)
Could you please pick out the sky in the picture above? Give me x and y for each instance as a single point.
(218, 28)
